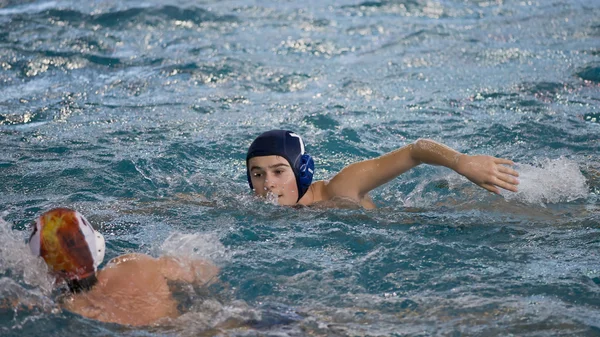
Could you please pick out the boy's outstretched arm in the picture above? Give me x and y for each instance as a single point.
(356, 180)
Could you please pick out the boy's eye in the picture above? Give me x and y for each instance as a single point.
(257, 175)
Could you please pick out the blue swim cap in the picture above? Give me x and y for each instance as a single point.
(289, 146)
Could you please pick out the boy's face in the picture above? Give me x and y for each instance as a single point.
(273, 175)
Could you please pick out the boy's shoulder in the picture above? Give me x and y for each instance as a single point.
(131, 257)
(316, 193)
(318, 196)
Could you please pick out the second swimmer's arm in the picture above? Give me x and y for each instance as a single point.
(487, 172)
(357, 179)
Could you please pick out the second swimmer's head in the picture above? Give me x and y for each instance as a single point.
(278, 166)
(69, 245)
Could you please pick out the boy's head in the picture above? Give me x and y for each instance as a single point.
(70, 246)
(277, 164)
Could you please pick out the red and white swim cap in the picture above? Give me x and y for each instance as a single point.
(68, 243)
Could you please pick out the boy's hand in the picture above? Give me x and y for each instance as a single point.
(488, 172)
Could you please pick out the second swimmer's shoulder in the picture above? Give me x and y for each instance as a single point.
(128, 258)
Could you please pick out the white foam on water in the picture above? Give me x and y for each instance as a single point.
(32, 88)
(201, 246)
(549, 181)
(272, 198)
(20, 297)
(207, 312)
(212, 314)
(26, 285)
(31, 8)
(16, 258)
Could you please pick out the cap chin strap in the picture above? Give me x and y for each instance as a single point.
(34, 239)
(81, 285)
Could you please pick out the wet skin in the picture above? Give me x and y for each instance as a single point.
(133, 289)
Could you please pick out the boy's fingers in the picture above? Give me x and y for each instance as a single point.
(506, 185)
(508, 170)
(490, 188)
(508, 178)
(503, 161)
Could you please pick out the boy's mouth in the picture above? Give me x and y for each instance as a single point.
(273, 197)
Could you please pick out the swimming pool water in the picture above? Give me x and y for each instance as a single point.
(139, 115)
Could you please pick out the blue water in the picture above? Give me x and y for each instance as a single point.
(139, 114)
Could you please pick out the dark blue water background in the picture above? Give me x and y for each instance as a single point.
(139, 114)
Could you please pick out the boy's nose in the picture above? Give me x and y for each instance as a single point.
(269, 183)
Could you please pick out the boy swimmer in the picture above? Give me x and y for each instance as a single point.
(278, 168)
(132, 289)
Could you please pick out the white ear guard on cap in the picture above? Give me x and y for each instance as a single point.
(94, 239)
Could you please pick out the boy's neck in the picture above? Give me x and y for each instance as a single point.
(82, 285)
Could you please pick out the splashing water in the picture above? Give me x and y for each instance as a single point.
(205, 246)
(25, 284)
(16, 258)
(210, 313)
(272, 198)
(549, 181)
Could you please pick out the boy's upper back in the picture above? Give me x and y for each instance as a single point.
(131, 290)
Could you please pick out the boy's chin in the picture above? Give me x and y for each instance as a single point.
(283, 201)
